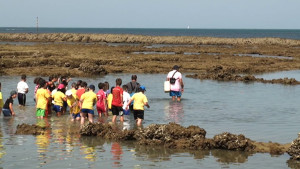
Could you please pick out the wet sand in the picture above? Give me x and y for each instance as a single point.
(223, 59)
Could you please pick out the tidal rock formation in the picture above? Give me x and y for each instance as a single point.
(294, 150)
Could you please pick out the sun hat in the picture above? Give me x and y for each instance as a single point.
(61, 86)
(143, 88)
(69, 93)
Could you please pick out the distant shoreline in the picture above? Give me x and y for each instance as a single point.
(218, 33)
(128, 38)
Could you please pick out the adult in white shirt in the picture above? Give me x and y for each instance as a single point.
(177, 84)
(22, 90)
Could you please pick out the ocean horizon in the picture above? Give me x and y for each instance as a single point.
(221, 33)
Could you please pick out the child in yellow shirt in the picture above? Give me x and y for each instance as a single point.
(73, 104)
(42, 97)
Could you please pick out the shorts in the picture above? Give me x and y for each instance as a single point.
(117, 111)
(138, 114)
(40, 112)
(101, 109)
(89, 111)
(75, 115)
(126, 112)
(175, 93)
(6, 112)
(57, 108)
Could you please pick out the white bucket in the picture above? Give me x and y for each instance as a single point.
(167, 86)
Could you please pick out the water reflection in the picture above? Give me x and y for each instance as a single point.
(294, 164)
(228, 157)
(89, 146)
(116, 151)
(43, 141)
(174, 111)
(2, 150)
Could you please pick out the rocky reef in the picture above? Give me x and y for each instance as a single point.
(294, 150)
(171, 136)
(31, 129)
(219, 73)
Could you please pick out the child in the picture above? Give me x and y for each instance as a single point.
(74, 90)
(109, 98)
(59, 97)
(101, 100)
(36, 81)
(81, 89)
(140, 100)
(126, 99)
(74, 106)
(1, 100)
(22, 90)
(42, 97)
(87, 102)
(117, 101)
(8, 106)
(106, 90)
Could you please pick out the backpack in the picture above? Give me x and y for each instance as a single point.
(172, 79)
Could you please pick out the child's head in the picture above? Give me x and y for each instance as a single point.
(125, 87)
(118, 82)
(106, 86)
(23, 77)
(101, 85)
(61, 87)
(142, 89)
(13, 94)
(91, 88)
(42, 83)
(78, 84)
(36, 80)
(112, 88)
(83, 84)
(52, 78)
(69, 94)
(74, 85)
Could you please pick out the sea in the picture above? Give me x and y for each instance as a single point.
(222, 33)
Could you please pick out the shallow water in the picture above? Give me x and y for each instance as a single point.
(262, 112)
(264, 56)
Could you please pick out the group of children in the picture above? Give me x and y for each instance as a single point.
(81, 99)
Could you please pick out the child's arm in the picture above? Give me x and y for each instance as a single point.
(128, 104)
(105, 104)
(11, 109)
(147, 105)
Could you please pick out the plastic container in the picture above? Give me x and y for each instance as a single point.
(167, 86)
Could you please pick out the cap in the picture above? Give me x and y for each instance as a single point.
(143, 88)
(175, 67)
(69, 93)
(61, 86)
(13, 93)
(92, 87)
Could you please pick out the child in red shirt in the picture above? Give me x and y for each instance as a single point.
(117, 101)
(101, 100)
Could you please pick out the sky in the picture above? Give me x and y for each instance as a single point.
(203, 14)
